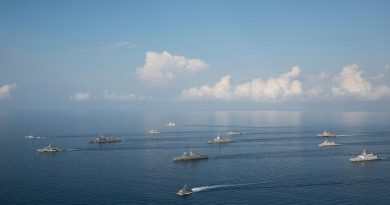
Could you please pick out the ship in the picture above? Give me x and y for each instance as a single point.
(49, 149)
(364, 156)
(327, 143)
(326, 134)
(190, 156)
(184, 191)
(102, 139)
(30, 137)
(153, 132)
(233, 133)
(219, 140)
(171, 124)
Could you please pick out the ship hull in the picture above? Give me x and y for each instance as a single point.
(178, 159)
(219, 142)
(363, 160)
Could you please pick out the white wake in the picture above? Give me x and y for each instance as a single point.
(204, 188)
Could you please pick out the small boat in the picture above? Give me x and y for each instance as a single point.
(327, 143)
(233, 133)
(49, 149)
(219, 140)
(364, 156)
(153, 132)
(30, 137)
(184, 191)
(190, 156)
(101, 139)
(171, 124)
(326, 134)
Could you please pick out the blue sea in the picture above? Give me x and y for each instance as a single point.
(275, 160)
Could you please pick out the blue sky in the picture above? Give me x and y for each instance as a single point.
(130, 54)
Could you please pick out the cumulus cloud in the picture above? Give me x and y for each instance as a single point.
(81, 96)
(163, 67)
(108, 95)
(349, 82)
(272, 89)
(5, 90)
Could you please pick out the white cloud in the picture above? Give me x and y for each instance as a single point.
(272, 89)
(163, 67)
(349, 82)
(81, 96)
(5, 90)
(108, 95)
(123, 44)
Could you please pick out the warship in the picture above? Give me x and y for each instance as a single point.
(102, 139)
(49, 149)
(326, 134)
(190, 156)
(364, 156)
(153, 132)
(184, 191)
(219, 140)
(327, 143)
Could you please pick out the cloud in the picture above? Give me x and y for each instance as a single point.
(108, 95)
(123, 44)
(81, 96)
(272, 89)
(5, 90)
(349, 82)
(161, 68)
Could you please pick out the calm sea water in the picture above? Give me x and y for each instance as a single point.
(276, 159)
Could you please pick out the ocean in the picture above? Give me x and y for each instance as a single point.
(275, 160)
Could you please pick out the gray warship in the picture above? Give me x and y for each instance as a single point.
(102, 139)
(49, 149)
(190, 156)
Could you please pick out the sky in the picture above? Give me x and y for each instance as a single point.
(287, 55)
